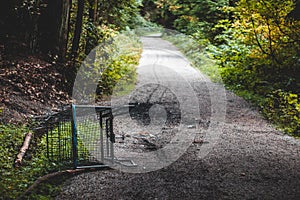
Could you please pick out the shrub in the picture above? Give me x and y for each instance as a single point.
(15, 180)
(284, 108)
(121, 63)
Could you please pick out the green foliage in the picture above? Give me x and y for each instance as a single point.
(145, 27)
(119, 14)
(284, 108)
(118, 63)
(200, 15)
(258, 55)
(100, 33)
(273, 38)
(15, 180)
(97, 35)
(48, 189)
(189, 16)
(121, 69)
(108, 18)
(111, 62)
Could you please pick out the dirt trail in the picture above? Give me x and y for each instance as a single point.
(191, 139)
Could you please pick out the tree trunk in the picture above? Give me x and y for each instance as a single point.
(93, 8)
(78, 29)
(63, 31)
(231, 3)
(54, 28)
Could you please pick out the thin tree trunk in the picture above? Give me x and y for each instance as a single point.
(64, 29)
(95, 10)
(92, 19)
(78, 29)
(53, 26)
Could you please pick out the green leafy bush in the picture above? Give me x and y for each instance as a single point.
(118, 63)
(258, 57)
(284, 108)
(14, 181)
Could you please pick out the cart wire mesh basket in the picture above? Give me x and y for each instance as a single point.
(93, 136)
(82, 136)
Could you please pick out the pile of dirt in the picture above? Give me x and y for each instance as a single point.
(30, 86)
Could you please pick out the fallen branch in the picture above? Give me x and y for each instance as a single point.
(24, 148)
(49, 176)
(52, 175)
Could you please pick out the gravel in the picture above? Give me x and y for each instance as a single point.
(223, 148)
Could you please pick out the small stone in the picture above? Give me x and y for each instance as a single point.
(191, 126)
(198, 141)
(127, 135)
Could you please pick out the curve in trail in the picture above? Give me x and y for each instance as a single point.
(248, 159)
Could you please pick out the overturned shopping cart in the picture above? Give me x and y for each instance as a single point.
(83, 136)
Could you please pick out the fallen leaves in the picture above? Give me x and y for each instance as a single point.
(29, 85)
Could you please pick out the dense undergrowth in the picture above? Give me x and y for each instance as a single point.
(120, 74)
(258, 57)
(14, 181)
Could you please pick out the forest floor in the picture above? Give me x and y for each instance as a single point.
(30, 85)
(191, 139)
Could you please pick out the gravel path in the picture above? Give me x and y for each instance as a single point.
(190, 139)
